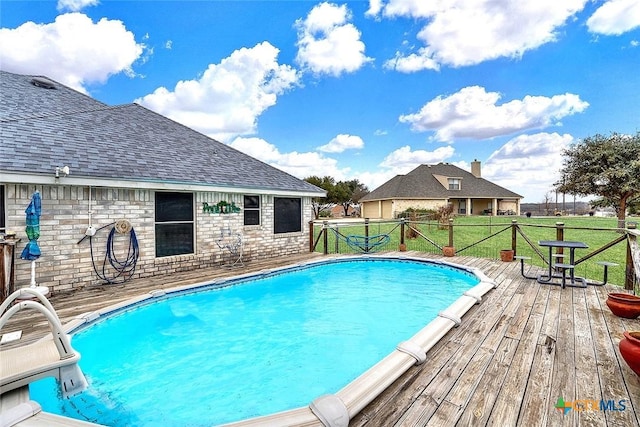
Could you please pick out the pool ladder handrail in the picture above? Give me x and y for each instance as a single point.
(22, 365)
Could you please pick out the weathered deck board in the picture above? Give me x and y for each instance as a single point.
(537, 400)
(513, 355)
(512, 392)
(587, 384)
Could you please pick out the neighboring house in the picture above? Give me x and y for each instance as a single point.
(338, 211)
(178, 188)
(432, 186)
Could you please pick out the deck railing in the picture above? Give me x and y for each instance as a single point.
(606, 245)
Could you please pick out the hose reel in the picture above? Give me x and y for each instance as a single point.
(123, 226)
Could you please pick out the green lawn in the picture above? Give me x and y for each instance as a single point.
(471, 237)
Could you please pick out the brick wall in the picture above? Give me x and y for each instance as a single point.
(66, 260)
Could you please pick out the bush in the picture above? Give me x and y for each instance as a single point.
(444, 214)
(419, 214)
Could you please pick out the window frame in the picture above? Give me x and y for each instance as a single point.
(251, 209)
(161, 225)
(454, 183)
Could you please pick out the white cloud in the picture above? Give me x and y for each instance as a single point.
(300, 165)
(341, 143)
(375, 6)
(466, 32)
(226, 100)
(72, 50)
(404, 159)
(615, 17)
(528, 164)
(400, 162)
(375, 179)
(412, 62)
(328, 43)
(474, 113)
(75, 5)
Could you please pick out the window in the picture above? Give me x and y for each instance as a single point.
(454, 183)
(251, 210)
(174, 224)
(2, 223)
(287, 215)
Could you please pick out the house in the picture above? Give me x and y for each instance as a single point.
(96, 164)
(338, 211)
(432, 186)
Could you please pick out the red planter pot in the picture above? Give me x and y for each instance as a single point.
(506, 255)
(624, 305)
(630, 350)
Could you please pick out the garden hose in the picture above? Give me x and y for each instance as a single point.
(124, 268)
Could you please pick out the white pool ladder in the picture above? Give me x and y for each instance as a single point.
(51, 356)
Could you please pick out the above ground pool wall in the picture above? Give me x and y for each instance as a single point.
(66, 264)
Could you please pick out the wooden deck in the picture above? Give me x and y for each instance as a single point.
(514, 355)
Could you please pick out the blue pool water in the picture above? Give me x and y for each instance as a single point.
(257, 347)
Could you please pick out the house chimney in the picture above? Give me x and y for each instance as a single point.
(475, 168)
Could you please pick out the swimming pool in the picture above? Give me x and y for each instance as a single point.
(274, 341)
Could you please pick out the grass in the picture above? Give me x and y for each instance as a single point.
(485, 236)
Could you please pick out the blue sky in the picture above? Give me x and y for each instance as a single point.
(354, 89)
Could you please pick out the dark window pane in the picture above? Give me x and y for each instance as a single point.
(287, 215)
(174, 239)
(251, 202)
(251, 210)
(174, 207)
(252, 217)
(174, 224)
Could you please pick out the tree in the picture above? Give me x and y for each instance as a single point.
(322, 204)
(634, 206)
(604, 166)
(347, 193)
(546, 202)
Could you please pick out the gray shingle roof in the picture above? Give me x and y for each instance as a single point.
(44, 128)
(421, 183)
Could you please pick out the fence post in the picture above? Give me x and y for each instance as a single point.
(366, 235)
(514, 241)
(325, 237)
(311, 235)
(451, 232)
(402, 222)
(629, 271)
(560, 235)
